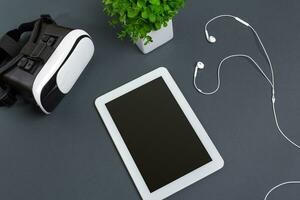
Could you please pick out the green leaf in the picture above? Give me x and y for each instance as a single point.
(145, 14)
(122, 19)
(113, 22)
(140, 4)
(152, 18)
(166, 7)
(155, 2)
(106, 2)
(132, 12)
(157, 26)
(148, 40)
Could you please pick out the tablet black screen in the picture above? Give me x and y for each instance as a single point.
(158, 135)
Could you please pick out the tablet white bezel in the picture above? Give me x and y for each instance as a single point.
(184, 181)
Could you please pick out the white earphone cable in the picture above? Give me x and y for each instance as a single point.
(219, 73)
(271, 82)
(280, 185)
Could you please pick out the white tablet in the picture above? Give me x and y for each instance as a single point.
(161, 141)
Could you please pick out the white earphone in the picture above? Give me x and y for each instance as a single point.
(210, 38)
(200, 65)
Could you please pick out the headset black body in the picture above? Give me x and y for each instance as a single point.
(21, 62)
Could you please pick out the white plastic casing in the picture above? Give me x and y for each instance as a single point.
(66, 63)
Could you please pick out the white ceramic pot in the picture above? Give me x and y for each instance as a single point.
(159, 38)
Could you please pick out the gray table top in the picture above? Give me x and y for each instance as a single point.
(69, 154)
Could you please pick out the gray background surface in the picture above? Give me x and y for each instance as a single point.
(69, 155)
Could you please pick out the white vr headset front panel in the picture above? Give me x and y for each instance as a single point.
(71, 68)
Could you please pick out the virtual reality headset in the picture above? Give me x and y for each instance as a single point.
(45, 68)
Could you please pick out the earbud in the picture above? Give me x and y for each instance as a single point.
(199, 65)
(210, 38)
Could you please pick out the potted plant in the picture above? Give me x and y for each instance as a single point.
(147, 22)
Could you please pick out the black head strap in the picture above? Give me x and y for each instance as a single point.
(9, 43)
(10, 47)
